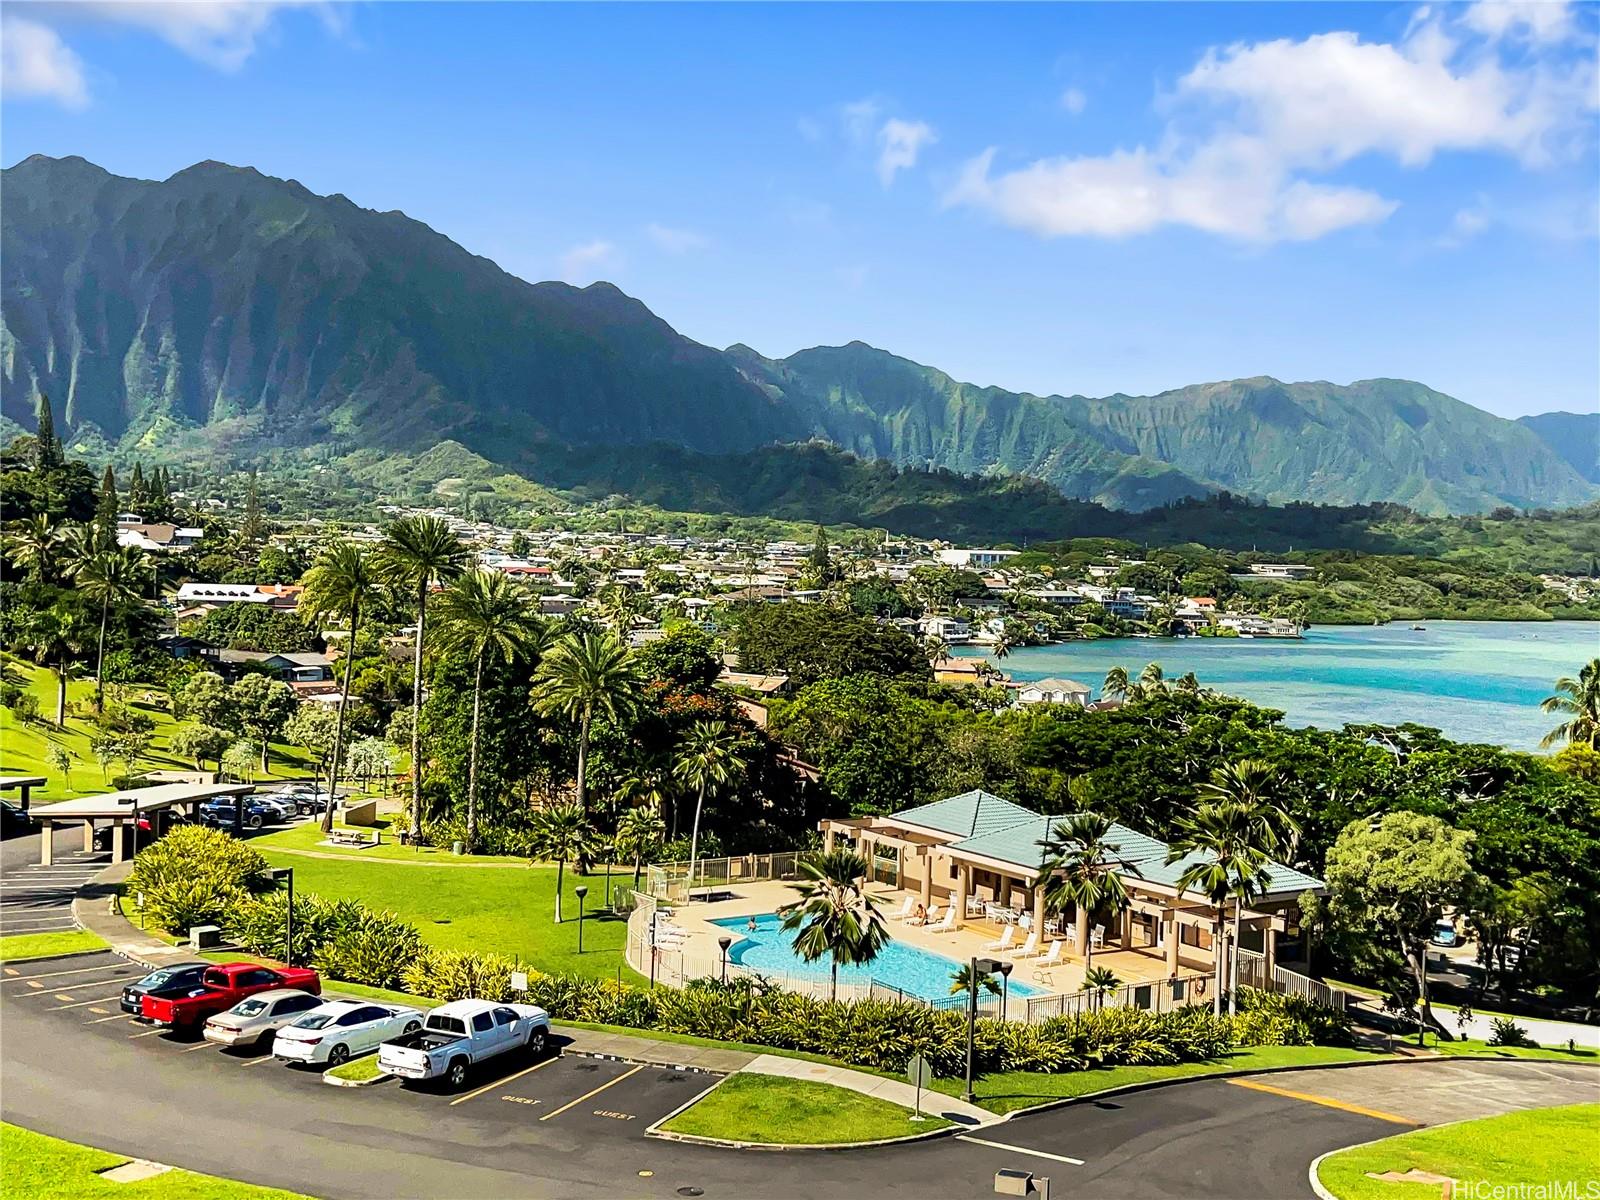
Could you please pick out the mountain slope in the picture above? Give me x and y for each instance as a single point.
(1575, 437)
(227, 311)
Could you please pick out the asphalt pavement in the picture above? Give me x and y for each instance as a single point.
(35, 899)
(569, 1126)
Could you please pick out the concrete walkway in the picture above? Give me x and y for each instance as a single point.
(1481, 1026)
(894, 1090)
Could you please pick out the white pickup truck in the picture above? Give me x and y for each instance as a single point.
(456, 1035)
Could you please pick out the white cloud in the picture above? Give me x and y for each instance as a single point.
(859, 117)
(219, 33)
(676, 241)
(585, 262)
(1073, 100)
(35, 62)
(1252, 124)
(899, 143)
(1543, 22)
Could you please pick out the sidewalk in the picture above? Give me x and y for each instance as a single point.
(1481, 1027)
(894, 1090)
(95, 908)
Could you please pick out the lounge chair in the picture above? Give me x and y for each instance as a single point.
(931, 915)
(949, 922)
(905, 909)
(1051, 957)
(1007, 937)
(1028, 949)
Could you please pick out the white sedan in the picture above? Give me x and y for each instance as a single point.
(341, 1030)
(254, 1020)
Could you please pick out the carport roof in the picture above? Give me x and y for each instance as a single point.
(148, 799)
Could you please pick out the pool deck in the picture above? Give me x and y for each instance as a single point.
(974, 938)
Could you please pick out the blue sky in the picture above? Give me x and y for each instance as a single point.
(1075, 198)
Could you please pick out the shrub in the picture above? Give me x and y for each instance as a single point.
(447, 975)
(495, 838)
(1271, 1019)
(372, 950)
(1503, 1031)
(194, 876)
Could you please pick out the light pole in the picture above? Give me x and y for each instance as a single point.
(980, 967)
(286, 875)
(581, 890)
(724, 941)
(1005, 986)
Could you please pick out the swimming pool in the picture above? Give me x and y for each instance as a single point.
(899, 965)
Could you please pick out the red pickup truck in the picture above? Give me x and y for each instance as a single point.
(221, 988)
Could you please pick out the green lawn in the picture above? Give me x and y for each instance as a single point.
(309, 836)
(42, 945)
(46, 1168)
(765, 1108)
(357, 1069)
(483, 908)
(1542, 1146)
(1005, 1091)
(23, 747)
(1556, 1053)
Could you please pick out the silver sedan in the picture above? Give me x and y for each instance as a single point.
(255, 1019)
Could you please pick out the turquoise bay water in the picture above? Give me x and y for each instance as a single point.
(1477, 681)
(920, 972)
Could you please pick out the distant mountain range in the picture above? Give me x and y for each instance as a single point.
(223, 309)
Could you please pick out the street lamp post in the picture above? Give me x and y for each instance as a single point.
(286, 875)
(980, 967)
(724, 941)
(1005, 986)
(582, 891)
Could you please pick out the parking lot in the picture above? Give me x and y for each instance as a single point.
(591, 1097)
(35, 899)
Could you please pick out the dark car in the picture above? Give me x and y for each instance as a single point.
(177, 980)
(224, 814)
(13, 821)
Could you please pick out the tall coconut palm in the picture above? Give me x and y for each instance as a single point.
(586, 675)
(1084, 868)
(109, 577)
(1117, 685)
(640, 832)
(342, 584)
(417, 553)
(562, 834)
(35, 544)
(1002, 647)
(835, 918)
(649, 785)
(490, 619)
(1579, 700)
(56, 636)
(1219, 846)
(1152, 681)
(935, 649)
(711, 756)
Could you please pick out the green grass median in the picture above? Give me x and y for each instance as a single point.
(792, 1112)
(47, 1168)
(21, 946)
(357, 1070)
(1544, 1147)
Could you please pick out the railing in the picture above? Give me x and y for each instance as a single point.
(670, 881)
(1312, 989)
(1161, 995)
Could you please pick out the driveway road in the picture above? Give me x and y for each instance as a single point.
(572, 1127)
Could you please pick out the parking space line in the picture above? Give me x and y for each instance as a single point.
(85, 1003)
(608, 1083)
(257, 1061)
(1061, 1158)
(502, 1082)
(204, 1045)
(149, 1032)
(1326, 1101)
(12, 971)
(113, 1017)
(79, 971)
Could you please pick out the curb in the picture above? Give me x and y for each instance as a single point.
(332, 1080)
(39, 958)
(649, 1062)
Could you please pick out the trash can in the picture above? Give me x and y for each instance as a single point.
(457, 848)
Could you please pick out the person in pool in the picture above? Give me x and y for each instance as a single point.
(751, 927)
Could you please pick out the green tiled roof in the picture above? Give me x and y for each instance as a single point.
(997, 829)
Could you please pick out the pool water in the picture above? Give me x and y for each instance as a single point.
(898, 965)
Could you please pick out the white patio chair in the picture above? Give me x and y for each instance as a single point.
(948, 924)
(1072, 936)
(905, 909)
(1028, 949)
(931, 915)
(1050, 958)
(1007, 937)
(1097, 938)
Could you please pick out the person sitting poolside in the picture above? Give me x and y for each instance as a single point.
(919, 915)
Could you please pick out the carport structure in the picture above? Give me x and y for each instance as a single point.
(23, 785)
(123, 809)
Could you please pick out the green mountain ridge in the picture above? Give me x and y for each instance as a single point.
(1574, 437)
(226, 311)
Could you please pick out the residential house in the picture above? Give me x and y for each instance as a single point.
(1054, 690)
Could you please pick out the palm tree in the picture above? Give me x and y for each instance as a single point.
(1219, 846)
(712, 755)
(640, 832)
(56, 636)
(1002, 647)
(835, 918)
(1099, 983)
(1117, 684)
(562, 834)
(961, 980)
(585, 675)
(1579, 700)
(649, 785)
(35, 544)
(619, 606)
(1152, 681)
(416, 553)
(109, 577)
(1081, 867)
(340, 584)
(487, 617)
(935, 649)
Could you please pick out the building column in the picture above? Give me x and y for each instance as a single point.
(827, 840)
(88, 837)
(963, 889)
(927, 880)
(1005, 891)
(1125, 929)
(47, 840)
(1038, 908)
(1081, 928)
(1169, 931)
(119, 840)
(1269, 952)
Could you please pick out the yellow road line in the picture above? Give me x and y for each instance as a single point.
(151, 1032)
(1326, 1101)
(76, 971)
(257, 1061)
(608, 1083)
(502, 1082)
(204, 1045)
(12, 971)
(83, 1003)
(102, 1020)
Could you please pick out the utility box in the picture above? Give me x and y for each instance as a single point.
(204, 937)
(1013, 1183)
